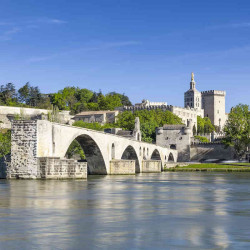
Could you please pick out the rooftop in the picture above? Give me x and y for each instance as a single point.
(173, 127)
(96, 112)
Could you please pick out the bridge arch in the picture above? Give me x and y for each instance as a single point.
(94, 156)
(130, 154)
(156, 155)
(170, 157)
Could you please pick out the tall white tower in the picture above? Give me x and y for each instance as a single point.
(213, 103)
(192, 98)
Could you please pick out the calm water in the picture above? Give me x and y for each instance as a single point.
(146, 211)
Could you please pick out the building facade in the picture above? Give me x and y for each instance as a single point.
(97, 116)
(214, 105)
(147, 103)
(211, 104)
(175, 137)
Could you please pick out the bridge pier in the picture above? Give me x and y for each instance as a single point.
(121, 167)
(151, 166)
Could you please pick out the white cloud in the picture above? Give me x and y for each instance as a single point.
(56, 21)
(25, 25)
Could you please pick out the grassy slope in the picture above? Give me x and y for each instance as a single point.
(228, 167)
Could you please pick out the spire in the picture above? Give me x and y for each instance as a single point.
(192, 83)
(192, 77)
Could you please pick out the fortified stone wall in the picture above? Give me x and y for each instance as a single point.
(186, 114)
(205, 151)
(56, 168)
(122, 167)
(175, 137)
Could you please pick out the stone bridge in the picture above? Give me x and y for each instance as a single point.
(32, 140)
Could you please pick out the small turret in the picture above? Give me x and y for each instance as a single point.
(137, 129)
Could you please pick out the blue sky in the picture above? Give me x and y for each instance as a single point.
(143, 48)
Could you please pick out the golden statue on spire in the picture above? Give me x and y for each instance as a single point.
(192, 77)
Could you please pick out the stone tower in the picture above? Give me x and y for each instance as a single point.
(213, 103)
(137, 129)
(192, 98)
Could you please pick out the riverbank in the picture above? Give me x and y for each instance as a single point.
(218, 167)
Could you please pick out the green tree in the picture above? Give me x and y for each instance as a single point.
(149, 120)
(208, 126)
(124, 99)
(237, 129)
(109, 102)
(200, 125)
(75, 149)
(201, 138)
(148, 131)
(204, 125)
(5, 144)
(93, 125)
(8, 94)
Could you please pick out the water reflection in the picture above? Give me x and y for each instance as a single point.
(148, 211)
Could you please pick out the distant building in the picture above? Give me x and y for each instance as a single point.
(213, 103)
(147, 103)
(135, 134)
(204, 104)
(97, 116)
(175, 137)
(192, 97)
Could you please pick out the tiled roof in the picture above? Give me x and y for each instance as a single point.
(95, 112)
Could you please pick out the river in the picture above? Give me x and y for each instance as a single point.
(191, 210)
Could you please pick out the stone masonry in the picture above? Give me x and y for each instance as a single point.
(122, 167)
(56, 168)
(24, 150)
(32, 140)
(26, 165)
(151, 166)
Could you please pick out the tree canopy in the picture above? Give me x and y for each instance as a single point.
(74, 99)
(5, 143)
(204, 125)
(237, 129)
